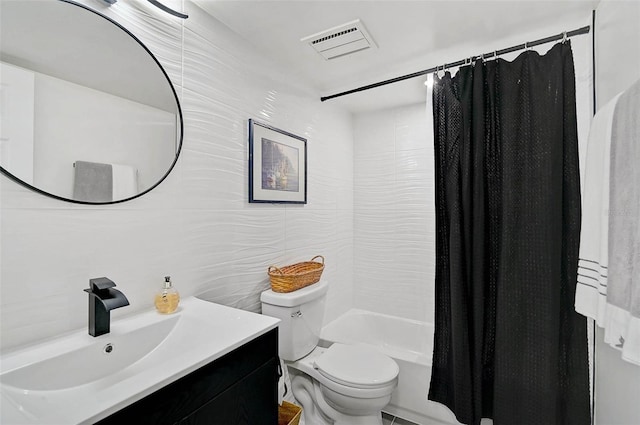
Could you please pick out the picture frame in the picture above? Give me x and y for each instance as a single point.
(277, 165)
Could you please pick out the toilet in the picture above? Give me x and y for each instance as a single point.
(340, 385)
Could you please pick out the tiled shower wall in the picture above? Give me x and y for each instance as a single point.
(394, 212)
(197, 226)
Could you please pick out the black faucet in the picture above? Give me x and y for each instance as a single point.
(102, 299)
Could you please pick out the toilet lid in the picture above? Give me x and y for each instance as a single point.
(356, 366)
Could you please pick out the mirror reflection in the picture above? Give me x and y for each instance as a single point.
(87, 114)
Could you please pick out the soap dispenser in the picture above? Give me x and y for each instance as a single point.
(168, 298)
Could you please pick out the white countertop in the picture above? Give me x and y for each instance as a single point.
(204, 332)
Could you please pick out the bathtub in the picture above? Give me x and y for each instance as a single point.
(410, 344)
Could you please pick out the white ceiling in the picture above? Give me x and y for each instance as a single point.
(411, 36)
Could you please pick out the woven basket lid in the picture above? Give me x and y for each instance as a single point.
(294, 298)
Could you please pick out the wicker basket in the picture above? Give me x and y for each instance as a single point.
(289, 413)
(296, 276)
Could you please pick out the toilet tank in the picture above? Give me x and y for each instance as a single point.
(301, 313)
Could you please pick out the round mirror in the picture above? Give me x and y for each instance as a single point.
(87, 113)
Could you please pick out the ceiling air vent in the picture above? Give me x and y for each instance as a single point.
(341, 40)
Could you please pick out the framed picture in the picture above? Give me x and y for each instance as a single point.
(277, 165)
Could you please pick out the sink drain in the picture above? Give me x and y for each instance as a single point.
(108, 348)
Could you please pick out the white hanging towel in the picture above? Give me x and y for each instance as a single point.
(591, 288)
(125, 181)
(622, 321)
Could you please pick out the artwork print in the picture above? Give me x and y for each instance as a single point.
(277, 165)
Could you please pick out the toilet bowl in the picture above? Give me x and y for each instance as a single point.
(351, 384)
(340, 385)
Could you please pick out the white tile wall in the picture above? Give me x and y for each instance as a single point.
(394, 218)
(197, 226)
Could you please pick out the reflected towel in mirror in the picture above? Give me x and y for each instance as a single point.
(98, 182)
(93, 182)
(125, 181)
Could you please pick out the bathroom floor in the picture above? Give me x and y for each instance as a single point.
(388, 419)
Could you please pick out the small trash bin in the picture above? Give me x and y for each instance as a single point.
(289, 413)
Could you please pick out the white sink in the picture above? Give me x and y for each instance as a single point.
(99, 360)
(78, 378)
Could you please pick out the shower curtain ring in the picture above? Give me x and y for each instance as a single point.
(564, 37)
(495, 54)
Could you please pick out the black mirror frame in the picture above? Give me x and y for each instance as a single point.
(173, 90)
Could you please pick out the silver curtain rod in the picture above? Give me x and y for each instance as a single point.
(494, 54)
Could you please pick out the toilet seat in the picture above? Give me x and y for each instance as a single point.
(308, 366)
(356, 366)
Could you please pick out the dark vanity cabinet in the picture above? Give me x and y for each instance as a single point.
(238, 388)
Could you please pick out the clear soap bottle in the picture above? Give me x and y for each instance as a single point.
(168, 298)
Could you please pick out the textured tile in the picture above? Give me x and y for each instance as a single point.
(374, 134)
(394, 217)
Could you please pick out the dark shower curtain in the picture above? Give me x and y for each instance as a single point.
(508, 343)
